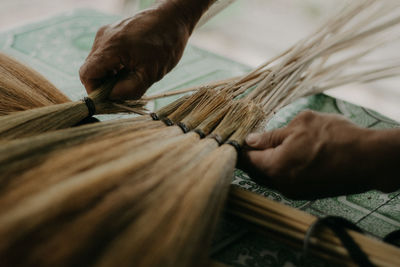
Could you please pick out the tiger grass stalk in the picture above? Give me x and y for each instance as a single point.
(127, 135)
(67, 195)
(51, 170)
(22, 88)
(33, 105)
(150, 190)
(59, 116)
(123, 169)
(211, 144)
(22, 154)
(202, 192)
(19, 155)
(292, 224)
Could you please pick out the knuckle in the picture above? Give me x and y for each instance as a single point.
(82, 72)
(307, 115)
(143, 78)
(101, 30)
(264, 138)
(275, 170)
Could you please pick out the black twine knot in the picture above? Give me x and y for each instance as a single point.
(217, 138)
(154, 116)
(184, 127)
(167, 121)
(90, 106)
(235, 144)
(200, 133)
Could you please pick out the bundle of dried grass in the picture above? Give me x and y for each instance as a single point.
(159, 189)
(19, 155)
(42, 107)
(22, 88)
(39, 120)
(122, 156)
(291, 225)
(36, 92)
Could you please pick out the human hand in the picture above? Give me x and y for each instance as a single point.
(314, 156)
(140, 50)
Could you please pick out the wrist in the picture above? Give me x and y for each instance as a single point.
(187, 11)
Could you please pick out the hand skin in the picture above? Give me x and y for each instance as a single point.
(318, 155)
(141, 49)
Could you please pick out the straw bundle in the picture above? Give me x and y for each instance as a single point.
(291, 225)
(42, 106)
(22, 88)
(131, 174)
(157, 189)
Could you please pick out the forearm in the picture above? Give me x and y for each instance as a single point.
(189, 10)
(383, 148)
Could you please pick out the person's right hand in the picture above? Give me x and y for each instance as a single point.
(140, 50)
(321, 155)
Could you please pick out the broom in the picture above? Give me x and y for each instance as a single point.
(32, 122)
(121, 166)
(42, 107)
(16, 218)
(19, 155)
(22, 88)
(62, 116)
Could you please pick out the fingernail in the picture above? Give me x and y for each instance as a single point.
(252, 138)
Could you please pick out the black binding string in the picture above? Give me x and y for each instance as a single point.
(339, 225)
(184, 127)
(90, 106)
(167, 121)
(200, 133)
(87, 120)
(235, 145)
(217, 138)
(154, 116)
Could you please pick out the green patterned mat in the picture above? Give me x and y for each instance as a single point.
(58, 46)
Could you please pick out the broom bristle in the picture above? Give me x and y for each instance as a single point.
(22, 88)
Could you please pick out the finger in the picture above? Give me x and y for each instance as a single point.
(261, 159)
(131, 86)
(256, 164)
(267, 139)
(97, 69)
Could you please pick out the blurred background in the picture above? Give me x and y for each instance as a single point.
(248, 31)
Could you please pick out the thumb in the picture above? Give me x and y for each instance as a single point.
(131, 86)
(267, 139)
(97, 68)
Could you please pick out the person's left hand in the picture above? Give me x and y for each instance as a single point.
(314, 156)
